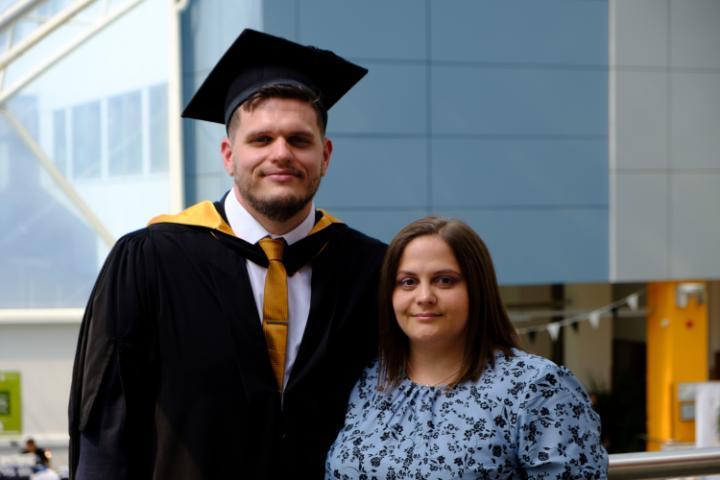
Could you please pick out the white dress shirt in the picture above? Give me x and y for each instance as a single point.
(299, 289)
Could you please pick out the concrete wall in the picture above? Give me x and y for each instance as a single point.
(587, 350)
(43, 354)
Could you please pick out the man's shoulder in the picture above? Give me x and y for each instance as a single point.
(158, 238)
(150, 231)
(347, 233)
(359, 244)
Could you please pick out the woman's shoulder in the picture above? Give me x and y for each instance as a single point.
(539, 375)
(520, 364)
(522, 370)
(528, 365)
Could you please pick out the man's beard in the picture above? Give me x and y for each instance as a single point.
(277, 209)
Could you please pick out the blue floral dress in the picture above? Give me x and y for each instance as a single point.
(524, 418)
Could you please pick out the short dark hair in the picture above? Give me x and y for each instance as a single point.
(488, 329)
(298, 92)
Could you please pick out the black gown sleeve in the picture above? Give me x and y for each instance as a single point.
(111, 397)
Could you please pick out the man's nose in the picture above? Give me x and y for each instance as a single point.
(280, 149)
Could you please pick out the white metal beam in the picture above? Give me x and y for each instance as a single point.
(16, 10)
(21, 83)
(43, 31)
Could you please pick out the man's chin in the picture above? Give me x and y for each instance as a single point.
(279, 208)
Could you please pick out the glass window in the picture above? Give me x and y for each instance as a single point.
(158, 128)
(125, 134)
(4, 166)
(86, 140)
(60, 140)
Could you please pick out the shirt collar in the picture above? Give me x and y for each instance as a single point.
(247, 228)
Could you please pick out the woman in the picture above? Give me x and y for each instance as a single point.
(451, 396)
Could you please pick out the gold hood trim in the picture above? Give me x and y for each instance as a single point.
(204, 214)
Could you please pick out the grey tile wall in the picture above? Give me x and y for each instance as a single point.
(642, 226)
(695, 121)
(695, 220)
(640, 32)
(694, 29)
(642, 119)
(667, 147)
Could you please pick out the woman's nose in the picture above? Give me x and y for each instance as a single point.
(426, 295)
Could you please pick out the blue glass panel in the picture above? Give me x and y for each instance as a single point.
(520, 31)
(519, 101)
(382, 224)
(496, 172)
(369, 29)
(556, 245)
(376, 172)
(391, 99)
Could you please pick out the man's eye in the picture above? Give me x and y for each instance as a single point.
(261, 140)
(298, 141)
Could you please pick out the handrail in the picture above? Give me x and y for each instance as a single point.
(40, 316)
(669, 463)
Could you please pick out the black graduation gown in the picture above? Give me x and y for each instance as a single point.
(172, 379)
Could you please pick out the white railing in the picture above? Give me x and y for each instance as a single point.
(665, 464)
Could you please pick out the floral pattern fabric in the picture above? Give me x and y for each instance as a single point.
(524, 418)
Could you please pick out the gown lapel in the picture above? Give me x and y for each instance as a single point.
(244, 324)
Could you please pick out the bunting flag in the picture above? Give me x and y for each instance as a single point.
(632, 301)
(592, 316)
(554, 330)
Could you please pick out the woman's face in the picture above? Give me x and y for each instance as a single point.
(430, 297)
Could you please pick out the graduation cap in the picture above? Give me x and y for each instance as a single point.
(256, 60)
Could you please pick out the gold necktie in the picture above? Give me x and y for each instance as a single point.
(275, 306)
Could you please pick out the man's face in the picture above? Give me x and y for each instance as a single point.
(277, 156)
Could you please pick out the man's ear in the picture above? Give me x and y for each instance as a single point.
(327, 153)
(227, 155)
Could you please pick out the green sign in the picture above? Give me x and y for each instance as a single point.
(10, 409)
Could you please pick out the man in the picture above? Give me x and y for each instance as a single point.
(41, 455)
(210, 348)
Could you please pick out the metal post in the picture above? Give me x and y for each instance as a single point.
(175, 137)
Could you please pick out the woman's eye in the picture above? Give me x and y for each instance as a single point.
(407, 282)
(446, 281)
